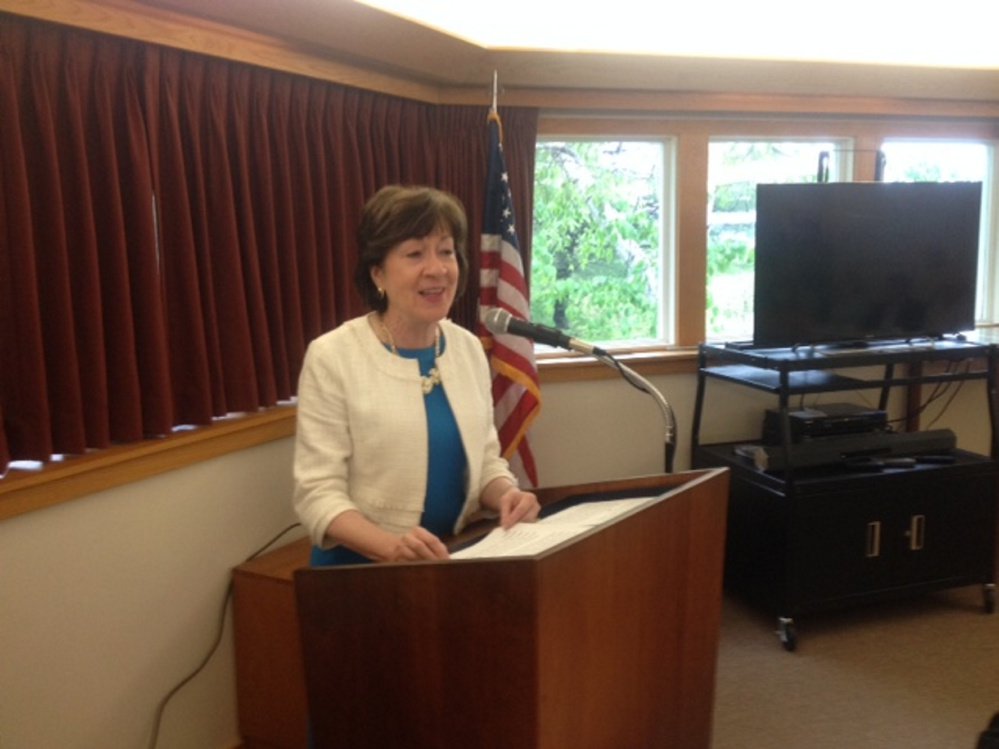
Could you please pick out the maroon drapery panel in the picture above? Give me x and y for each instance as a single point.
(79, 327)
(175, 228)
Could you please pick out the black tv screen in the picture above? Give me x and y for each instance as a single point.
(849, 262)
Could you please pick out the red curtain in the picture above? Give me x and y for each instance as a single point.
(80, 331)
(175, 228)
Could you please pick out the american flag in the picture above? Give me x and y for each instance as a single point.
(516, 391)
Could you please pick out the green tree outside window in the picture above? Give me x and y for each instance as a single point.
(597, 243)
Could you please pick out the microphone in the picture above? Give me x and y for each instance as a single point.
(500, 322)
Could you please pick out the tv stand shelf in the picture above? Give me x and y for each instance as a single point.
(788, 372)
(818, 357)
(809, 538)
(808, 381)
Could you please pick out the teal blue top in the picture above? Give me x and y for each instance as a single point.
(445, 494)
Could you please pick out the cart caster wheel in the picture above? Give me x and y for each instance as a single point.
(989, 598)
(787, 633)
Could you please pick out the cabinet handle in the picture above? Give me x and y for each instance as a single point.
(917, 532)
(874, 539)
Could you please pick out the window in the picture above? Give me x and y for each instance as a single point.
(605, 185)
(735, 167)
(955, 161)
(601, 255)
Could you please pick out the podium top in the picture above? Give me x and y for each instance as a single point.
(526, 539)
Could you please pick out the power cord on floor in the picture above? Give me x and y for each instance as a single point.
(155, 737)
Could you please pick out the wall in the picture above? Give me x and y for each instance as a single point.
(110, 600)
(590, 431)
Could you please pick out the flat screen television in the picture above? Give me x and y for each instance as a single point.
(855, 262)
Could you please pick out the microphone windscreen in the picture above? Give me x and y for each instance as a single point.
(497, 320)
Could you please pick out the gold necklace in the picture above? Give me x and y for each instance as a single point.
(432, 378)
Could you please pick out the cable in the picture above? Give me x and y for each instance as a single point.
(940, 389)
(946, 406)
(155, 737)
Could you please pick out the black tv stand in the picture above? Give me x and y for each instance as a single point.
(860, 343)
(802, 539)
(874, 344)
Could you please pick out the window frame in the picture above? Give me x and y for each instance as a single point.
(666, 284)
(691, 135)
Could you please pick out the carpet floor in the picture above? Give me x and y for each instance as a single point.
(922, 673)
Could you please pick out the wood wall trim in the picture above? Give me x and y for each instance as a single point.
(133, 20)
(691, 264)
(758, 105)
(652, 362)
(57, 482)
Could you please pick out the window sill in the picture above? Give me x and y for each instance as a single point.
(23, 491)
(557, 367)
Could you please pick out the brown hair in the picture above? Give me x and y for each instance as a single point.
(396, 213)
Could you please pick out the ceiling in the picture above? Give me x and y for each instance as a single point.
(859, 31)
(358, 34)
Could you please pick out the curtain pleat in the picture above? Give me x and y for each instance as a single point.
(23, 378)
(350, 180)
(53, 218)
(141, 337)
(175, 228)
(289, 286)
(177, 243)
(262, 224)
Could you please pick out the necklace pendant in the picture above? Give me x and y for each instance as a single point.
(433, 377)
(430, 381)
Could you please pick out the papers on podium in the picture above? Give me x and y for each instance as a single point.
(525, 539)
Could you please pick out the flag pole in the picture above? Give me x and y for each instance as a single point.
(515, 386)
(493, 115)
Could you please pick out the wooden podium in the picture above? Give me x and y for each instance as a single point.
(608, 640)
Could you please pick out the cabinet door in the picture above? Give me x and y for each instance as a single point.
(945, 531)
(841, 546)
(929, 529)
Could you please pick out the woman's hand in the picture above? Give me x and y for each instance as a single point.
(516, 506)
(418, 543)
(358, 533)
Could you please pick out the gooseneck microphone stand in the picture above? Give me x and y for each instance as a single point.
(637, 381)
(500, 322)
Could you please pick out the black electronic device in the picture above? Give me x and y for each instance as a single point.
(937, 444)
(849, 262)
(824, 420)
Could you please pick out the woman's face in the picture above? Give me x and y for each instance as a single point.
(420, 279)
